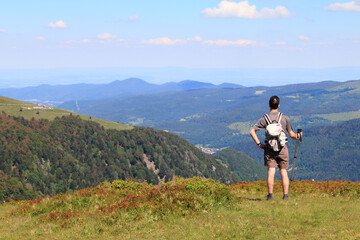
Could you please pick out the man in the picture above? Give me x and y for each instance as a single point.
(275, 158)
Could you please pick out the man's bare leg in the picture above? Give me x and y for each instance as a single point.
(270, 180)
(285, 180)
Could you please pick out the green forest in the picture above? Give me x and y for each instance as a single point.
(243, 166)
(40, 157)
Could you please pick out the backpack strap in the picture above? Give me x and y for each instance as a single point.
(279, 117)
(267, 119)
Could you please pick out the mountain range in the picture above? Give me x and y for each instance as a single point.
(221, 117)
(56, 94)
(205, 114)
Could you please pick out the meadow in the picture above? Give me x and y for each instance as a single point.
(191, 208)
(29, 110)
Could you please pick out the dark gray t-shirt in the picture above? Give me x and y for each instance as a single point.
(285, 122)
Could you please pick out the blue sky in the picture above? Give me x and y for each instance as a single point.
(146, 35)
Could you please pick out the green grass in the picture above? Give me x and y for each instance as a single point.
(305, 217)
(354, 85)
(344, 116)
(189, 209)
(242, 127)
(18, 108)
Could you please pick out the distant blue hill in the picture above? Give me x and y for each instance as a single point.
(56, 94)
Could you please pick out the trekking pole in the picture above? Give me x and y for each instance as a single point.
(295, 156)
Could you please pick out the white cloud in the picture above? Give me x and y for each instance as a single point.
(40, 38)
(229, 9)
(281, 43)
(162, 41)
(2, 30)
(227, 42)
(304, 38)
(353, 6)
(58, 24)
(196, 38)
(133, 18)
(86, 40)
(106, 36)
(168, 41)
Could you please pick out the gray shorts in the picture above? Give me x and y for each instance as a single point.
(273, 159)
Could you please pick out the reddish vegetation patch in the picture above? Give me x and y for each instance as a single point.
(61, 215)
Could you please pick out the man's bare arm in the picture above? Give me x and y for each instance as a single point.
(295, 136)
(256, 139)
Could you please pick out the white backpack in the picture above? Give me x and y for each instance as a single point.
(275, 136)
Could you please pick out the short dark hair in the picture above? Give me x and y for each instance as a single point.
(274, 102)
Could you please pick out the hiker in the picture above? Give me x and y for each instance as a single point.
(275, 150)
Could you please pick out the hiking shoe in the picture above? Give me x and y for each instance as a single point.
(286, 197)
(269, 196)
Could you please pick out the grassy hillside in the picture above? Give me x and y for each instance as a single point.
(188, 209)
(29, 110)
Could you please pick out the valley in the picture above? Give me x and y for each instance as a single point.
(222, 117)
(208, 116)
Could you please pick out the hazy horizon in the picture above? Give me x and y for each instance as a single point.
(247, 77)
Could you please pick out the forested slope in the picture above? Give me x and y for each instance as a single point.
(243, 166)
(42, 157)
